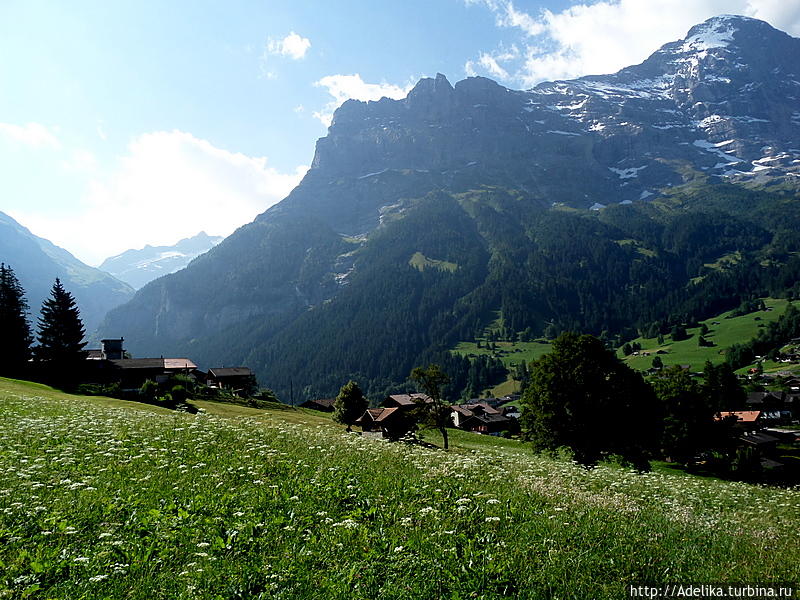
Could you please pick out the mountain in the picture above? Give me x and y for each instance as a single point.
(607, 204)
(138, 267)
(37, 262)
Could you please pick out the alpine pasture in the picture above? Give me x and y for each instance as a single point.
(108, 499)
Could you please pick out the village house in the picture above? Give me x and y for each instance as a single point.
(393, 418)
(764, 400)
(131, 373)
(109, 364)
(750, 420)
(110, 349)
(321, 404)
(234, 379)
(480, 417)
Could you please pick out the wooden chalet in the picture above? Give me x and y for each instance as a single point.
(487, 424)
(767, 444)
(393, 418)
(131, 373)
(321, 404)
(764, 400)
(391, 423)
(480, 417)
(229, 378)
(406, 401)
(754, 419)
(745, 419)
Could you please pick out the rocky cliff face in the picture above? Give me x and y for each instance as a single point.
(724, 102)
(720, 105)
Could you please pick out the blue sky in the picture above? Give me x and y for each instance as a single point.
(125, 123)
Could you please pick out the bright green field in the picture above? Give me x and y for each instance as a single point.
(730, 331)
(511, 353)
(103, 499)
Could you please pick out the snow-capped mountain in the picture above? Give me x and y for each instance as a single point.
(138, 267)
(724, 102)
(701, 142)
(726, 99)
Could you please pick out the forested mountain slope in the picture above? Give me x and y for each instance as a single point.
(423, 217)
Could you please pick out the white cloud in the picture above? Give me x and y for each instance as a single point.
(605, 36)
(80, 161)
(506, 15)
(35, 135)
(490, 63)
(345, 87)
(168, 186)
(292, 46)
(511, 17)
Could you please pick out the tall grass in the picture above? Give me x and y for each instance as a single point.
(105, 501)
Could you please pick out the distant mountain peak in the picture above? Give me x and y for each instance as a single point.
(138, 267)
(38, 262)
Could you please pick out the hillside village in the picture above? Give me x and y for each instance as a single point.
(760, 425)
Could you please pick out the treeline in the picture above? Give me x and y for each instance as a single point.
(58, 354)
(582, 397)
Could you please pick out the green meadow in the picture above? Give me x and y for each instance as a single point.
(511, 353)
(110, 499)
(728, 331)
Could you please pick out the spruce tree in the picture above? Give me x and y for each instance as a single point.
(60, 350)
(15, 329)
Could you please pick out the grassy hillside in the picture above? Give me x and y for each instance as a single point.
(724, 331)
(511, 353)
(107, 499)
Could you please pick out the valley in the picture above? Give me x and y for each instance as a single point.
(660, 195)
(531, 331)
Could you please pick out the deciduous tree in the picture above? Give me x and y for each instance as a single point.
(688, 416)
(583, 397)
(436, 413)
(349, 404)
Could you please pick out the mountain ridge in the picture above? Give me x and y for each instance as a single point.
(137, 267)
(505, 169)
(37, 262)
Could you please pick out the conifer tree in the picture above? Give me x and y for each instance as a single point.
(14, 326)
(60, 350)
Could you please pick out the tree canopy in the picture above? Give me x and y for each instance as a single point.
(582, 397)
(349, 404)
